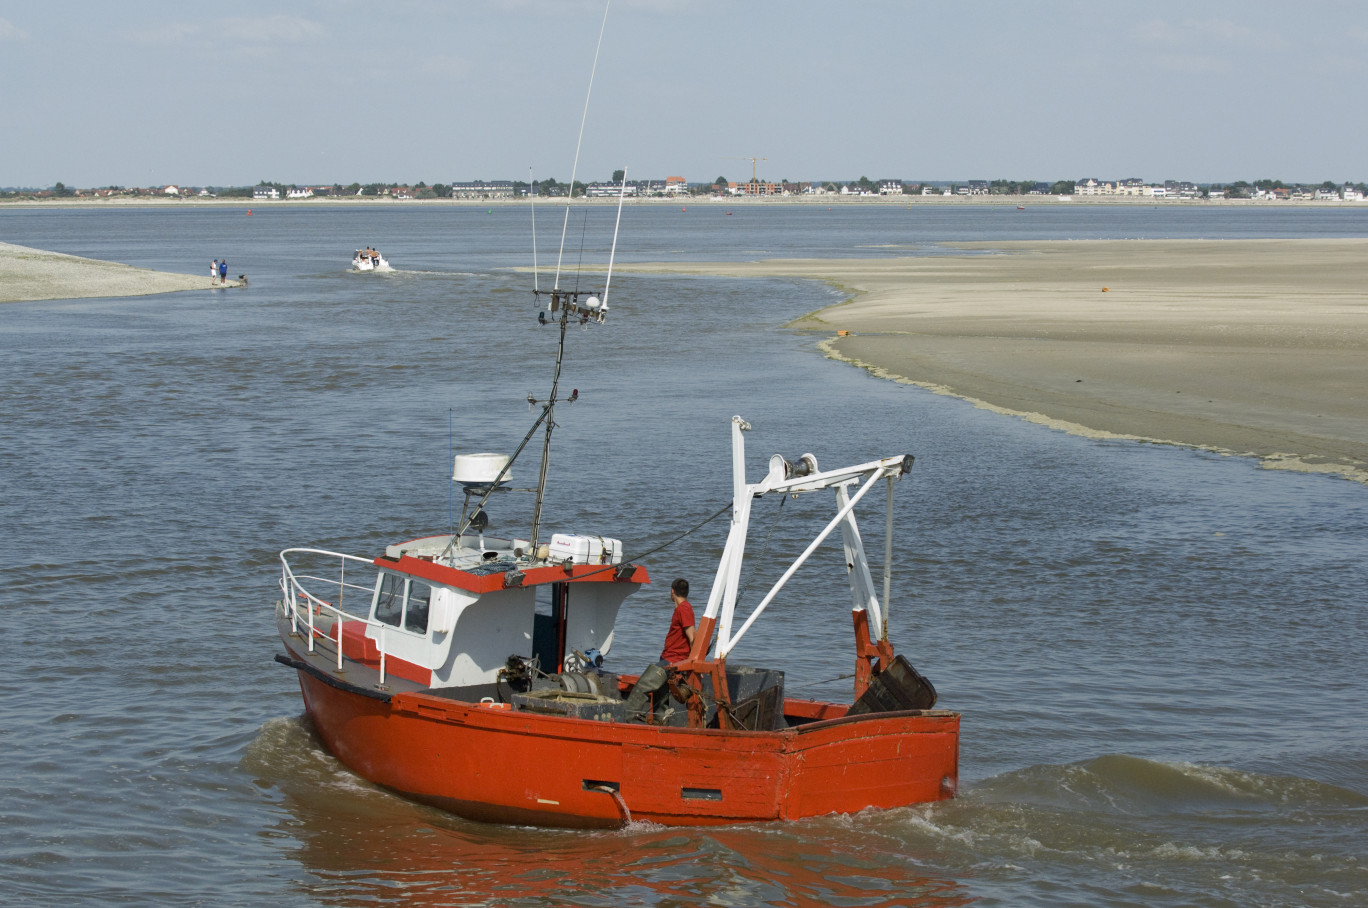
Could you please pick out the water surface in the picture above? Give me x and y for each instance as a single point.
(1157, 652)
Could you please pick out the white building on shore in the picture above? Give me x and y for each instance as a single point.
(480, 189)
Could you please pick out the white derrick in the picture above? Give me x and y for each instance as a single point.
(785, 479)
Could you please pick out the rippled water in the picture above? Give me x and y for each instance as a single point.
(1158, 653)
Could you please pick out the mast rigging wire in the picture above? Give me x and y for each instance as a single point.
(622, 193)
(532, 201)
(575, 167)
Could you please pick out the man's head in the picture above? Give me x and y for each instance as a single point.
(679, 589)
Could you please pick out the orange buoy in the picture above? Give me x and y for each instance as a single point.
(249, 212)
(1106, 290)
(843, 334)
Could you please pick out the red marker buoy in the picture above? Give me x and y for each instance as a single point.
(249, 212)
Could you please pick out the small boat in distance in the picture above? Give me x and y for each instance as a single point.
(369, 260)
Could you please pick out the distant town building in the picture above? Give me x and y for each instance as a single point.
(299, 192)
(754, 188)
(479, 189)
(611, 190)
(262, 193)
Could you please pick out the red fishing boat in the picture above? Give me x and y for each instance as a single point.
(470, 677)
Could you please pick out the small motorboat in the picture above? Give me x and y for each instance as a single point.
(369, 260)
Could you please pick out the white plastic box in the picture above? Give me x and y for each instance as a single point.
(584, 549)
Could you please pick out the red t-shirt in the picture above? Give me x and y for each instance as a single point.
(676, 643)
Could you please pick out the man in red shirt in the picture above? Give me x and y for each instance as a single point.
(679, 638)
(678, 642)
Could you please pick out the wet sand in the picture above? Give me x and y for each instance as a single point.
(34, 274)
(1252, 347)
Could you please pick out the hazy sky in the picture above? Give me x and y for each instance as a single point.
(145, 92)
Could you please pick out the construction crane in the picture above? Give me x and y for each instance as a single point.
(752, 160)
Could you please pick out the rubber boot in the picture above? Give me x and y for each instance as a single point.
(651, 680)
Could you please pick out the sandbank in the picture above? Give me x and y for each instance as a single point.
(1252, 347)
(34, 274)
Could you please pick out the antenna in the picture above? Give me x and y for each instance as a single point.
(622, 193)
(532, 198)
(574, 168)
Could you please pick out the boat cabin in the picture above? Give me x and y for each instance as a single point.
(431, 593)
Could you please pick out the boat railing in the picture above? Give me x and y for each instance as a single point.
(303, 605)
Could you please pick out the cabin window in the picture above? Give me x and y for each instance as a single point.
(391, 609)
(389, 603)
(419, 601)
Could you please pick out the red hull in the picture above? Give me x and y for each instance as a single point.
(505, 766)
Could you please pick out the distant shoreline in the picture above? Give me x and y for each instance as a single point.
(989, 201)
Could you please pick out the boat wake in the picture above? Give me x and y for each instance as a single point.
(1136, 786)
(1126, 824)
(359, 840)
(1097, 828)
(411, 272)
(287, 754)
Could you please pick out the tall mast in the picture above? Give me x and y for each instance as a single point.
(564, 303)
(550, 421)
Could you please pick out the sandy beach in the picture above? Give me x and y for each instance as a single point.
(34, 274)
(1251, 347)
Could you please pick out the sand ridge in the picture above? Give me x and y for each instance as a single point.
(35, 274)
(1255, 347)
